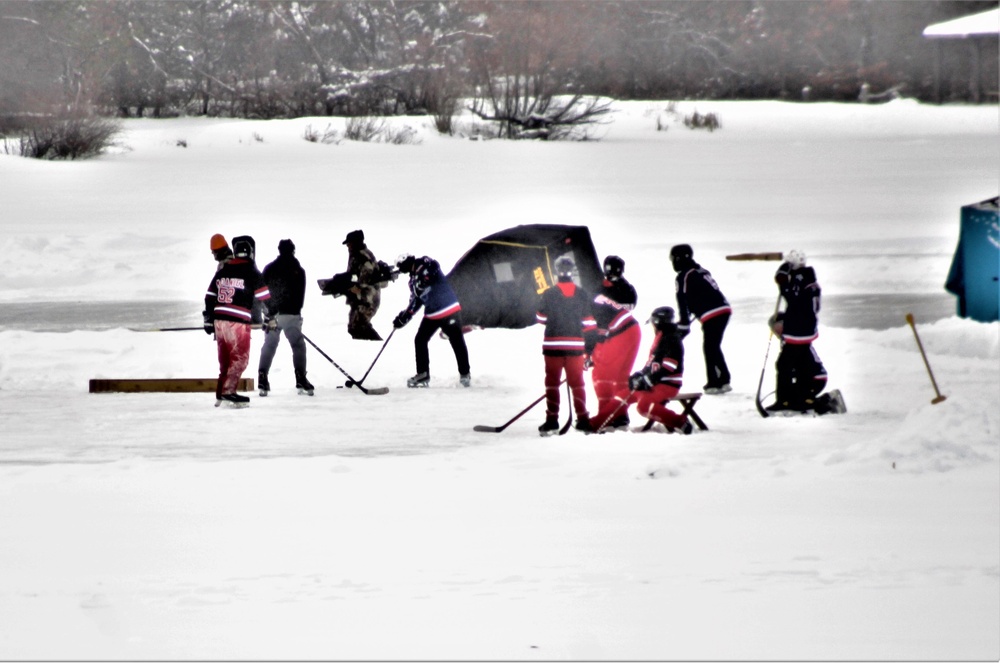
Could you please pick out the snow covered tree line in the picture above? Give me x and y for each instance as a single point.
(506, 61)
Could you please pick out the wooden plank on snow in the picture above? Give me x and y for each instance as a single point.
(163, 384)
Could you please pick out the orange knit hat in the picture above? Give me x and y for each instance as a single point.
(218, 242)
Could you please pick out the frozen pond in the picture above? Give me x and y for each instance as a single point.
(868, 311)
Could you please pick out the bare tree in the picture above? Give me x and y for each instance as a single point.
(526, 74)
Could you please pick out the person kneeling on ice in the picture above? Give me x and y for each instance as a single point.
(616, 346)
(228, 304)
(660, 380)
(429, 289)
(800, 373)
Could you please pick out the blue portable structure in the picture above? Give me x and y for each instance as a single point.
(975, 270)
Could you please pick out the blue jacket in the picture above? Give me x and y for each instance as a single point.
(429, 288)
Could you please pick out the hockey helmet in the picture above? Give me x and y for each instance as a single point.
(661, 318)
(681, 256)
(796, 259)
(244, 247)
(681, 251)
(614, 267)
(564, 268)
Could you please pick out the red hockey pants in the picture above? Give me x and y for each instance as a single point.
(613, 362)
(554, 367)
(234, 354)
(652, 405)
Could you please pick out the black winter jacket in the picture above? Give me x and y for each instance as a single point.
(286, 281)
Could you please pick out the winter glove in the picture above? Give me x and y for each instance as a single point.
(640, 382)
(270, 324)
(683, 330)
(400, 320)
(208, 324)
(588, 362)
(782, 275)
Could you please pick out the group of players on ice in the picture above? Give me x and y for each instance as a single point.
(583, 330)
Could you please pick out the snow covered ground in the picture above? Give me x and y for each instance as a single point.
(345, 526)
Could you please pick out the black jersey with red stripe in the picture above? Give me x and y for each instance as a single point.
(613, 306)
(666, 359)
(565, 311)
(233, 289)
(698, 295)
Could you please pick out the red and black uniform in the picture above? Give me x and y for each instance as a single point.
(616, 348)
(698, 295)
(229, 302)
(801, 375)
(661, 378)
(566, 313)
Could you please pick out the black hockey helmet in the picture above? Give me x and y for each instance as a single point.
(681, 251)
(244, 247)
(564, 268)
(681, 256)
(662, 318)
(614, 267)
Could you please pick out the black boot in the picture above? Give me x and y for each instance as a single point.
(262, 384)
(550, 426)
(302, 384)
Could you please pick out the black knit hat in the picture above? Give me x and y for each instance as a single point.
(286, 247)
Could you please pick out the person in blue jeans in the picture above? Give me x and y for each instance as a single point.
(286, 280)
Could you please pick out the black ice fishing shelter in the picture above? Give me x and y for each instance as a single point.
(499, 280)
(975, 269)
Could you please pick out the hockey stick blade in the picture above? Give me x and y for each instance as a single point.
(499, 429)
(377, 391)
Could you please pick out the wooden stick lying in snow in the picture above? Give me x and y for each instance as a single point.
(772, 255)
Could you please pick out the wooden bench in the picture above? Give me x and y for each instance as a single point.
(688, 401)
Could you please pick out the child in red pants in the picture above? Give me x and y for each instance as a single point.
(660, 380)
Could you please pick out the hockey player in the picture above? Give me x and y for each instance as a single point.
(565, 310)
(429, 289)
(660, 380)
(616, 345)
(286, 282)
(228, 304)
(698, 294)
(800, 373)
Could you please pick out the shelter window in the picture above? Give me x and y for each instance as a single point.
(503, 271)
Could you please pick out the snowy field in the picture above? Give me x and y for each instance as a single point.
(345, 526)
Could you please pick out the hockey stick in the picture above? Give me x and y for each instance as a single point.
(358, 383)
(617, 410)
(372, 392)
(569, 404)
(499, 429)
(939, 397)
(169, 329)
(760, 384)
